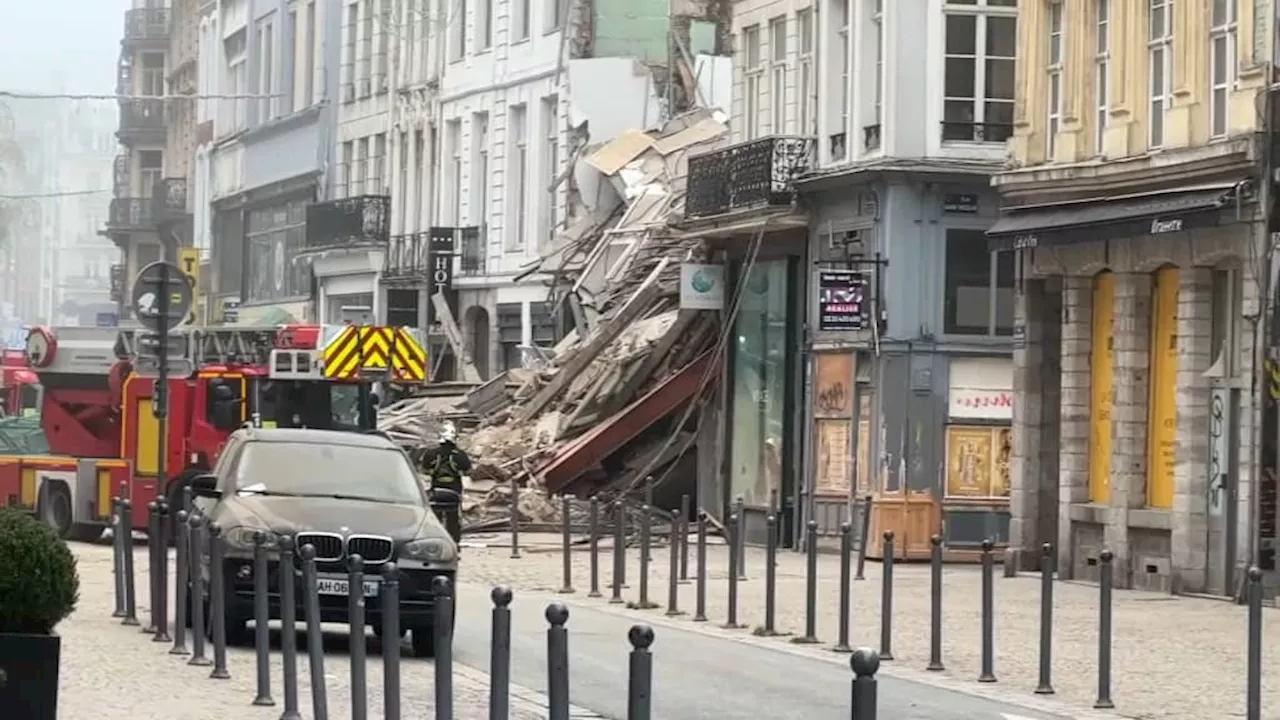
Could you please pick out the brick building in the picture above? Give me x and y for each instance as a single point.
(1134, 209)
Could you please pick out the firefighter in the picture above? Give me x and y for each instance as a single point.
(447, 465)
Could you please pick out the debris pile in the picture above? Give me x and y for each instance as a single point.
(616, 267)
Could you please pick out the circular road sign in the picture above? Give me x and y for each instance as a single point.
(146, 295)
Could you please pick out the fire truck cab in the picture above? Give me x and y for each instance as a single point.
(19, 386)
(105, 440)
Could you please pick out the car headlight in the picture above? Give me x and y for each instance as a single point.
(241, 538)
(429, 550)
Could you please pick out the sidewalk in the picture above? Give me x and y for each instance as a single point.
(1174, 658)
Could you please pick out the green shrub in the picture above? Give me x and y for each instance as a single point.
(39, 585)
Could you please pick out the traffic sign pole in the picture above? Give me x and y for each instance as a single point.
(160, 399)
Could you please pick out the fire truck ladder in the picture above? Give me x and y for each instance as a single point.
(209, 346)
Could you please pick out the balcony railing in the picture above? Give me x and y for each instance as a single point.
(131, 214)
(120, 176)
(146, 24)
(755, 174)
(142, 115)
(360, 220)
(976, 132)
(169, 199)
(409, 257)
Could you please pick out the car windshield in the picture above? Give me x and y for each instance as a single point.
(316, 470)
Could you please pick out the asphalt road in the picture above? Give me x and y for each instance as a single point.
(697, 676)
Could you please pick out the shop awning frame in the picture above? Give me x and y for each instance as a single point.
(1094, 219)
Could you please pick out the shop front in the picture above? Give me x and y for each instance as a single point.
(978, 442)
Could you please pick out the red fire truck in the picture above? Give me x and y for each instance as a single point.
(105, 441)
(19, 386)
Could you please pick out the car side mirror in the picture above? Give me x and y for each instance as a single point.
(205, 485)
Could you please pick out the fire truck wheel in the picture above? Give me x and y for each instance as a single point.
(57, 511)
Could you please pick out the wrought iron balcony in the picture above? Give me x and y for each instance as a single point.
(141, 116)
(120, 176)
(353, 221)
(146, 24)
(747, 176)
(409, 257)
(130, 214)
(169, 199)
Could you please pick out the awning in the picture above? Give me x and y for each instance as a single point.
(1158, 213)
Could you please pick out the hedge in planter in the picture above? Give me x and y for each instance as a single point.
(39, 587)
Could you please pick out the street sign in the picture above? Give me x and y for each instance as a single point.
(148, 366)
(189, 262)
(147, 302)
(175, 346)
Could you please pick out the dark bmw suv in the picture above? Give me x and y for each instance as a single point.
(343, 493)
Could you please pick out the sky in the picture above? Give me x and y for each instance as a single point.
(60, 45)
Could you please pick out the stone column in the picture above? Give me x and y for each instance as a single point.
(1028, 426)
(1190, 504)
(1131, 371)
(1073, 418)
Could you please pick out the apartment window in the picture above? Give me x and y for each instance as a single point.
(1223, 62)
(366, 50)
(1102, 75)
(555, 14)
(408, 54)
(290, 91)
(420, 191)
(457, 21)
(453, 185)
(806, 99)
(979, 286)
(480, 169)
(778, 74)
(150, 171)
(753, 64)
(350, 50)
(266, 74)
(345, 171)
(234, 50)
(1054, 100)
(152, 74)
(1160, 67)
(484, 25)
(377, 164)
(385, 30)
(520, 23)
(877, 32)
(309, 48)
(550, 163)
(358, 168)
(518, 172)
(981, 36)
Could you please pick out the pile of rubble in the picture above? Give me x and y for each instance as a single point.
(619, 267)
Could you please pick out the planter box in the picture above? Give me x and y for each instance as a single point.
(29, 676)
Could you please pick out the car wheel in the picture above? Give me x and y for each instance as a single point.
(424, 641)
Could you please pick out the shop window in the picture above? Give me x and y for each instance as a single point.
(979, 286)
(1162, 418)
(335, 304)
(759, 366)
(510, 326)
(978, 459)
(276, 237)
(1101, 386)
(1225, 329)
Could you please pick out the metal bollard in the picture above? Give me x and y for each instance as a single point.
(126, 542)
(700, 613)
(1105, 578)
(442, 628)
(770, 579)
(935, 604)
(117, 558)
(864, 535)
(673, 573)
(218, 601)
(1045, 685)
(593, 522)
(566, 547)
(390, 642)
(515, 518)
(557, 662)
(1253, 683)
(988, 674)
(355, 633)
(741, 511)
(865, 662)
(261, 619)
(181, 578)
(195, 568)
(315, 637)
(153, 564)
(886, 599)
(162, 574)
(684, 539)
(500, 655)
(619, 552)
(846, 600)
(288, 579)
(732, 622)
(648, 503)
(640, 673)
(646, 547)
(810, 586)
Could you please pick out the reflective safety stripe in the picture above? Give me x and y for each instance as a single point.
(409, 359)
(342, 354)
(375, 346)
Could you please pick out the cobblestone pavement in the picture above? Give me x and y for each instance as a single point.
(1175, 658)
(114, 672)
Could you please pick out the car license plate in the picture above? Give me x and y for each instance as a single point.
(341, 586)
